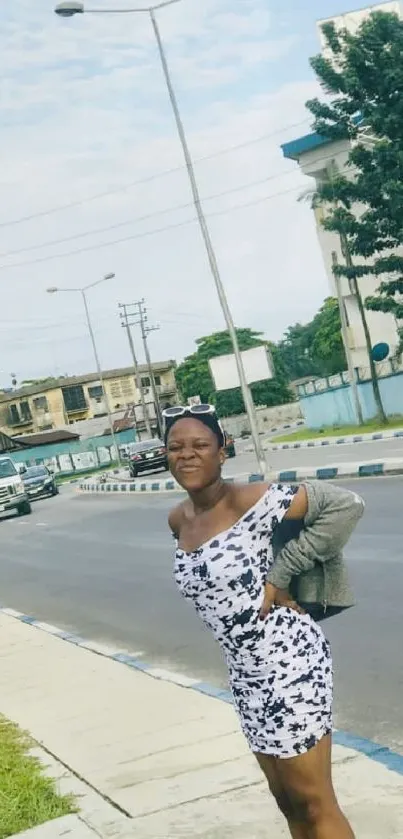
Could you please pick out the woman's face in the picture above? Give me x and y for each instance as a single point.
(194, 456)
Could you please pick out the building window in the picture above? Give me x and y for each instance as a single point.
(74, 398)
(145, 381)
(40, 403)
(14, 415)
(25, 411)
(115, 388)
(96, 392)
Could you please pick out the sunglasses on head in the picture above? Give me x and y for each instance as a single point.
(193, 410)
(182, 410)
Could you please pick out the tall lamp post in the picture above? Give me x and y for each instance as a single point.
(68, 8)
(82, 291)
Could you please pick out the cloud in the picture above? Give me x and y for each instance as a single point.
(85, 111)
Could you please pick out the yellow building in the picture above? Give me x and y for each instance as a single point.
(64, 401)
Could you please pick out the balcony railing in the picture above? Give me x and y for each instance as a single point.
(166, 390)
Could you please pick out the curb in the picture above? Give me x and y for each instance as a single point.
(374, 751)
(332, 441)
(392, 466)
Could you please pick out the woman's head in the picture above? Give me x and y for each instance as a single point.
(196, 452)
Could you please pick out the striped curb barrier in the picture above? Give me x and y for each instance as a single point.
(392, 466)
(331, 441)
(374, 751)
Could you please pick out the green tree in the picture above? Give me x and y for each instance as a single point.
(193, 375)
(316, 348)
(364, 80)
(327, 345)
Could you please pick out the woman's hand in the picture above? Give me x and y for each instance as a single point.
(277, 597)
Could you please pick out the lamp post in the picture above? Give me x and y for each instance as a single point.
(82, 291)
(68, 8)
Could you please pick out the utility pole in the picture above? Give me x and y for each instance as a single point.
(124, 315)
(345, 248)
(344, 332)
(140, 315)
(145, 330)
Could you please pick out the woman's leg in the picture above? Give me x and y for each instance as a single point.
(269, 768)
(306, 783)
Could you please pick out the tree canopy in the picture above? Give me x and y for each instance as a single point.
(316, 348)
(194, 379)
(313, 349)
(363, 80)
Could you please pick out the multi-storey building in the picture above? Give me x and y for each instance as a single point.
(317, 156)
(64, 401)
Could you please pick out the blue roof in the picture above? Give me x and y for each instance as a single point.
(308, 142)
(294, 148)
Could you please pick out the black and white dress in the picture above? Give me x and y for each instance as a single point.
(280, 669)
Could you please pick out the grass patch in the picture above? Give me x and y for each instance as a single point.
(339, 431)
(27, 797)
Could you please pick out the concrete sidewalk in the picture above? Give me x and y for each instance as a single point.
(154, 760)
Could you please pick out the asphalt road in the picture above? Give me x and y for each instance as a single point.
(101, 566)
(332, 455)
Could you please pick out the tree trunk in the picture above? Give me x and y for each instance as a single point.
(374, 378)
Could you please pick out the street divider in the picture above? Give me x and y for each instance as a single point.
(372, 469)
(271, 446)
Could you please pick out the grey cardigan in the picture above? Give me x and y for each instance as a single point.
(309, 559)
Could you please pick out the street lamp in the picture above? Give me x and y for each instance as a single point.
(82, 291)
(68, 8)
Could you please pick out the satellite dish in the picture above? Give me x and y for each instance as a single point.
(380, 351)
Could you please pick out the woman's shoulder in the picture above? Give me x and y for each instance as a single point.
(175, 518)
(291, 498)
(245, 496)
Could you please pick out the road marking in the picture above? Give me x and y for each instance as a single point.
(41, 524)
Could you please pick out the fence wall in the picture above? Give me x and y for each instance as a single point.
(332, 404)
(267, 418)
(76, 456)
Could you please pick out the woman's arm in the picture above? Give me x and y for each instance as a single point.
(330, 514)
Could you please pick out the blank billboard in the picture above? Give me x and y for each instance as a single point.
(257, 364)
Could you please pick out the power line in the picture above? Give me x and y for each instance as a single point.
(98, 196)
(148, 233)
(158, 230)
(147, 217)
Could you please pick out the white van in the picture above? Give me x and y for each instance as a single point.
(13, 495)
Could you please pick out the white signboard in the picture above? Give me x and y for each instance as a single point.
(84, 460)
(257, 364)
(194, 400)
(103, 455)
(65, 463)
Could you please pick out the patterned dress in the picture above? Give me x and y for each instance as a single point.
(280, 669)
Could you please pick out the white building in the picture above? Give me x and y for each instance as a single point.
(315, 156)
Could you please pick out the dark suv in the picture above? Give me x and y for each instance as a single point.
(147, 456)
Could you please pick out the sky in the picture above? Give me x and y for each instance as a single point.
(92, 176)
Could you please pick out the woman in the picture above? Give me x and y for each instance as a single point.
(278, 659)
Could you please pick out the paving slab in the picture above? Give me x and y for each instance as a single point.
(158, 759)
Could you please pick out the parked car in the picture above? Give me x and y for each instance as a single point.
(230, 450)
(147, 456)
(13, 495)
(39, 482)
